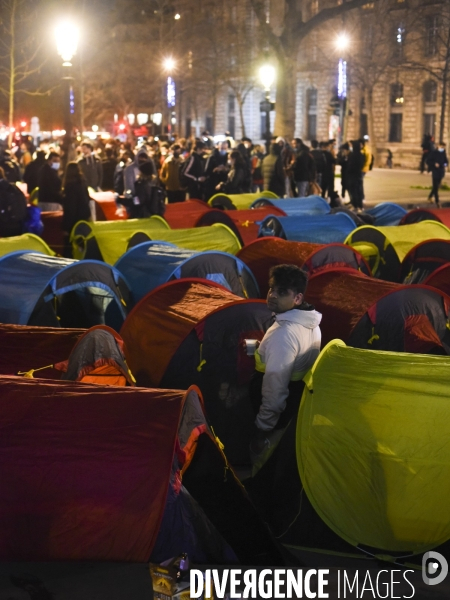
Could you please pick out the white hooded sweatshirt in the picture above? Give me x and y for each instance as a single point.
(290, 346)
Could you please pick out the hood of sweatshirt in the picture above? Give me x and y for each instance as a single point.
(308, 318)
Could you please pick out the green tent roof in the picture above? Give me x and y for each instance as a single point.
(27, 241)
(217, 237)
(373, 449)
(243, 201)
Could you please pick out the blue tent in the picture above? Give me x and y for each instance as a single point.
(152, 263)
(387, 213)
(311, 205)
(37, 289)
(319, 229)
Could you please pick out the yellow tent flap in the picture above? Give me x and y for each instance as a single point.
(27, 241)
(111, 237)
(243, 201)
(373, 446)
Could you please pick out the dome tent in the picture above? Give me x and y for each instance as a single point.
(353, 485)
(442, 215)
(423, 259)
(294, 207)
(27, 241)
(386, 247)
(193, 331)
(267, 252)
(386, 214)
(318, 229)
(91, 435)
(150, 264)
(237, 201)
(59, 292)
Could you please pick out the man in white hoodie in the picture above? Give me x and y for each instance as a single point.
(287, 351)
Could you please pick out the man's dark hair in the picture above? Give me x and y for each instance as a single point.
(314, 144)
(199, 145)
(88, 144)
(175, 147)
(51, 155)
(288, 277)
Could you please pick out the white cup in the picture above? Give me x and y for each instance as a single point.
(250, 346)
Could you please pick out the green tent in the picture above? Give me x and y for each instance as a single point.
(108, 240)
(27, 241)
(385, 247)
(239, 201)
(373, 449)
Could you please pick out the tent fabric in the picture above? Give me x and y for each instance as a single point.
(440, 279)
(53, 234)
(27, 241)
(423, 259)
(45, 290)
(376, 488)
(263, 254)
(154, 263)
(427, 214)
(248, 221)
(107, 240)
(238, 201)
(106, 207)
(98, 357)
(318, 229)
(294, 207)
(63, 506)
(393, 243)
(387, 214)
(24, 348)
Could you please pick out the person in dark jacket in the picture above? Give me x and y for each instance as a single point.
(304, 170)
(236, 182)
(216, 169)
(355, 165)
(109, 164)
(342, 160)
(273, 171)
(194, 173)
(10, 167)
(437, 162)
(125, 160)
(91, 166)
(319, 160)
(328, 172)
(75, 202)
(49, 183)
(149, 198)
(13, 208)
(32, 169)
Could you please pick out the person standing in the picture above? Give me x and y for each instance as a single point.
(236, 182)
(31, 174)
(75, 201)
(367, 165)
(355, 163)
(304, 171)
(437, 163)
(273, 171)
(194, 173)
(109, 164)
(49, 183)
(216, 169)
(91, 166)
(170, 176)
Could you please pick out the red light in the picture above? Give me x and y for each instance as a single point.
(121, 126)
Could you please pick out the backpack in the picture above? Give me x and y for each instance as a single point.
(13, 209)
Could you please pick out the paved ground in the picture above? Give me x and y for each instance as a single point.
(396, 185)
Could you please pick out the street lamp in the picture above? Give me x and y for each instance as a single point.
(267, 77)
(342, 44)
(67, 36)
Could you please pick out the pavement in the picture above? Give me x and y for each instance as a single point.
(398, 185)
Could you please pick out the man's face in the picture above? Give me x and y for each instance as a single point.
(223, 147)
(85, 150)
(280, 300)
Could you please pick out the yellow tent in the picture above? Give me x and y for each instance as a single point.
(27, 241)
(239, 201)
(373, 448)
(385, 247)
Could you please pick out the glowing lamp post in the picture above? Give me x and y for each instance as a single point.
(267, 77)
(67, 36)
(342, 44)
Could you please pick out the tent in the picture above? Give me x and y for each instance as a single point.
(248, 221)
(153, 263)
(318, 229)
(371, 313)
(264, 253)
(351, 484)
(26, 348)
(294, 207)
(106, 481)
(427, 214)
(386, 213)
(97, 357)
(193, 331)
(27, 241)
(107, 240)
(238, 201)
(53, 234)
(440, 279)
(385, 247)
(423, 259)
(45, 290)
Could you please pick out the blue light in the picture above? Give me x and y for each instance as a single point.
(342, 79)
(171, 92)
(71, 101)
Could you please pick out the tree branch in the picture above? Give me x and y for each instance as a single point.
(329, 13)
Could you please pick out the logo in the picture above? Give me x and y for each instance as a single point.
(434, 568)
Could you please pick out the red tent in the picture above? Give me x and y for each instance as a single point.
(264, 253)
(248, 220)
(427, 214)
(440, 279)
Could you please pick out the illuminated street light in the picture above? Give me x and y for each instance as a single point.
(267, 76)
(177, 16)
(169, 64)
(342, 42)
(142, 118)
(95, 128)
(67, 36)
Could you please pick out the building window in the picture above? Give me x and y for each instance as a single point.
(396, 95)
(395, 127)
(430, 92)
(431, 39)
(429, 124)
(311, 113)
(231, 114)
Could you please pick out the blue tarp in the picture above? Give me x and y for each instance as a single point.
(310, 205)
(387, 213)
(29, 278)
(153, 263)
(320, 229)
